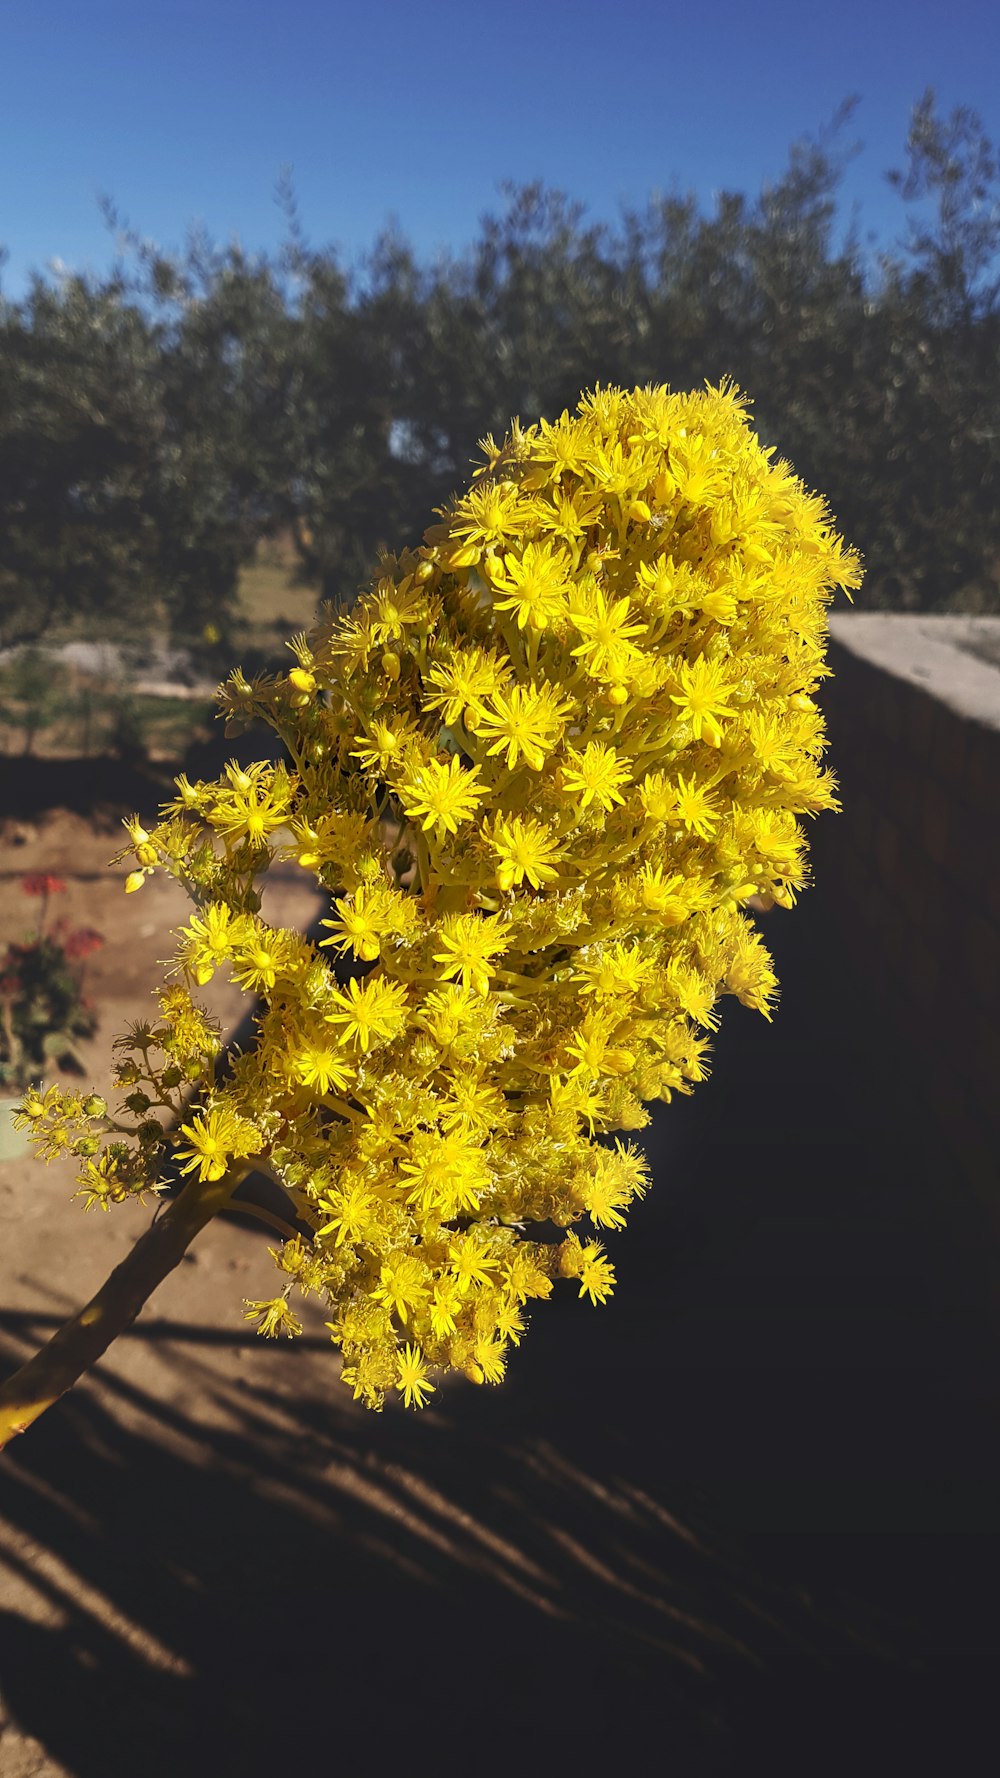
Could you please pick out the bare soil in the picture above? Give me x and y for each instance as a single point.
(744, 1517)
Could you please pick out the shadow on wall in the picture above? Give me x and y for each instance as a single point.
(914, 862)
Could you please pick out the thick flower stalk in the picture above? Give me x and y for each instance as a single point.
(538, 770)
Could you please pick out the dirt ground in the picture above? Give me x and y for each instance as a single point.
(744, 1516)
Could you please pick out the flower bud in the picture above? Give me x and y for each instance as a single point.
(463, 556)
(570, 1258)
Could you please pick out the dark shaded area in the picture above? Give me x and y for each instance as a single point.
(101, 788)
(104, 788)
(914, 862)
(745, 1517)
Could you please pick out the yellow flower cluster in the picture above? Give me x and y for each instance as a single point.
(540, 768)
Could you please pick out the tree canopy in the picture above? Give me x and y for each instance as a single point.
(156, 424)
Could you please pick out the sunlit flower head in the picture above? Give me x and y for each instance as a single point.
(539, 774)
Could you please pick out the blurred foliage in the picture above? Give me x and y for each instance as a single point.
(51, 708)
(155, 427)
(33, 693)
(43, 1008)
(43, 1012)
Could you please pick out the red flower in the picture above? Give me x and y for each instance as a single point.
(81, 942)
(40, 882)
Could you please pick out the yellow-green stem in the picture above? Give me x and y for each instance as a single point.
(81, 1341)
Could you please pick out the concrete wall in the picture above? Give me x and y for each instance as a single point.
(913, 863)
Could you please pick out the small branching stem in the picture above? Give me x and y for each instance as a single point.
(243, 1207)
(80, 1342)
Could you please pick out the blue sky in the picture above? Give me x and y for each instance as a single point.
(186, 112)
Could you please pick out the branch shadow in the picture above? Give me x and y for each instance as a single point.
(296, 1572)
